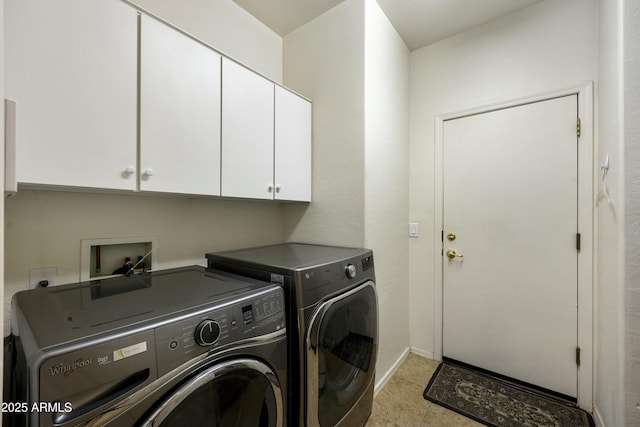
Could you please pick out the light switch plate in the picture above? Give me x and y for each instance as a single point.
(414, 229)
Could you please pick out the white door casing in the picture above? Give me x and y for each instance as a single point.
(491, 261)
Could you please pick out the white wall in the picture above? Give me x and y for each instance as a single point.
(618, 231)
(225, 26)
(354, 66)
(609, 372)
(44, 228)
(387, 178)
(546, 47)
(632, 209)
(324, 61)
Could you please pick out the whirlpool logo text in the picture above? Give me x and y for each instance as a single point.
(67, 369)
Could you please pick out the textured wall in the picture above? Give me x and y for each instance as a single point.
(609, 372)
(324, 60)
(632, 209)
(387, 178)
(45, 228)
(226, 27)
(618, 265)
(548, 46)
(354, 66)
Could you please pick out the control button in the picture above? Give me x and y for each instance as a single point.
(350, 271)
(234, 322)
(173, 344)
(207, 332)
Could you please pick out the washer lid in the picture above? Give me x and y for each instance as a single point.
(65, 313)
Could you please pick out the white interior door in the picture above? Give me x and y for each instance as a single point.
(510, 198)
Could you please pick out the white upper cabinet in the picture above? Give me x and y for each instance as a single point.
(292, 142)
(247, 133)
(110, 98)
(179, 112)
(266, 138)
(70, 66)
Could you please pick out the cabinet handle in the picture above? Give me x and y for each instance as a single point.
(270, 188)
(130, 170)
(148, 172)
(278, 188)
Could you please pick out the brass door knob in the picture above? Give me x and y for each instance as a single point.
(451, 253)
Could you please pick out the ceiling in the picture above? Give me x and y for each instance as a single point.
(419, 22)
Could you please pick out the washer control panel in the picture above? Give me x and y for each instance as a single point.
(218, 327)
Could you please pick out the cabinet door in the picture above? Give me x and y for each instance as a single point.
(292, 167)
(179, 112)
(71, 68)
(247, 133)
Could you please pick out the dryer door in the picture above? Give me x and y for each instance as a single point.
(342, 345)
(236, 393)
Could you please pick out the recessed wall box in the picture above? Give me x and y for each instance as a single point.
(104, 258)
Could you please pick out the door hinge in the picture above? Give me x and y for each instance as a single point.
(578, 356)
(577, 241)
(578, 127)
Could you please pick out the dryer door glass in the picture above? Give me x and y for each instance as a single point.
(343, 343)
(237, 393)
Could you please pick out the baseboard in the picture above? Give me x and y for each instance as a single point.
(597, 418)
(384, 379)
(423, 353)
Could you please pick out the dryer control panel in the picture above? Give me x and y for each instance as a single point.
(218, 328)
(319, 282)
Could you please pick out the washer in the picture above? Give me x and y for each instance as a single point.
(332, 319)
(170, 348)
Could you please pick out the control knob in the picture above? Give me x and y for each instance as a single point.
(207, 332)
(350, 271)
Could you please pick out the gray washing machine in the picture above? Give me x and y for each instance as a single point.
(170, 348)
(332, 319)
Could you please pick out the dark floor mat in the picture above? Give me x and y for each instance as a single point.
(494, 402)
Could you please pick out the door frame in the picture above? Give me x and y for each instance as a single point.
(586, 167)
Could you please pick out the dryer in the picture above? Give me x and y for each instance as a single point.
(332, 319)
(170, 348)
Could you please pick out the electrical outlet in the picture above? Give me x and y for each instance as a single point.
(39, 276)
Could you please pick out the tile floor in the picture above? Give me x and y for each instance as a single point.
(400, 402)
